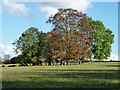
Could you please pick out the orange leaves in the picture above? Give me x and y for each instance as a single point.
(70, 34)
(48, 32)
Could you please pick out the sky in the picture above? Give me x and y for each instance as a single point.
(16, 17)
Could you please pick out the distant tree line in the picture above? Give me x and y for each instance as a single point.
(74, 36)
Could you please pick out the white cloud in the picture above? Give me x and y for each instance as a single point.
(113, 57)
(81, 5)
(7, 50)
(15, 8)
(48, 10)
(51, 8)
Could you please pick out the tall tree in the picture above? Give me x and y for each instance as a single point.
(71, 34)
(7, 59)
(29, 44)
(103, 38)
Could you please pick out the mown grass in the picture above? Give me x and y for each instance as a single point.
(86, 75)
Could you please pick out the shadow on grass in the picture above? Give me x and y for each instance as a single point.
(78, 70)
(89, 74)
(79, 79)
(112, 66)
(57, 84)
(72, 73)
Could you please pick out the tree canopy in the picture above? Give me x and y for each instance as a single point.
(103, 38)
(30, 44)
(72, 35)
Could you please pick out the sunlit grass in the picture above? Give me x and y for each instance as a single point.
(86, 75)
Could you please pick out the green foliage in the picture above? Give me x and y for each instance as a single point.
(6, 59)
(47, 54)
(74, 36)
(14, 60)
(103, 38)
(30, 44)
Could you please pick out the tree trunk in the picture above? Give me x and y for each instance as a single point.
(33, 64)
(49, 62)
(53, 63)
(41, 63)
(90, 58)
(26, 64)
(45, 62)
(66, 62)
(56, 61)
(38, 62)
(79, 62)
(61, 62)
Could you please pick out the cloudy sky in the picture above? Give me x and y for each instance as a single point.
(16, 17)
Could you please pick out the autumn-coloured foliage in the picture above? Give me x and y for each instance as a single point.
(71, 35)
(74, 36)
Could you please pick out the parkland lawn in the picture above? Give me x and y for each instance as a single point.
(86, 75)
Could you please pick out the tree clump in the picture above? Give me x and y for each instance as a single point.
(30, 45)
(72, 36)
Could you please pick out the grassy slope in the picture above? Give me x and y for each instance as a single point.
(88, 75)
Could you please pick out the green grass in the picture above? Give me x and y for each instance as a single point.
(86, 75)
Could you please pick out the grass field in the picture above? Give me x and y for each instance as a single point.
(86, 75)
